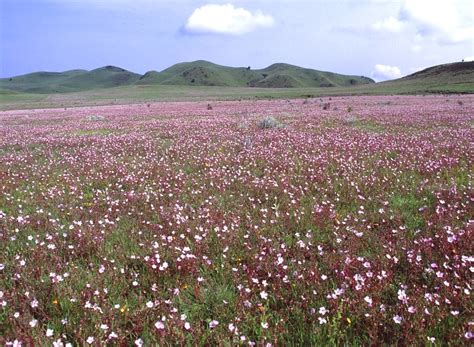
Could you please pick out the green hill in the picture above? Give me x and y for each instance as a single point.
(104, 77)
(69, 81)
(445, 78)
(285, 75)
(454, 72)
(197, 73)
(204, 73)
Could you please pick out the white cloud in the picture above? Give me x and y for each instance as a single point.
(390, 24)
(469, 58)
(416, 48)
(446, 22)
(226, 19)
(386, 72)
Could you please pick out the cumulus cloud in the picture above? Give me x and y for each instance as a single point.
(416, 48)
(386, 72)
(390, 24)
(446, 22)
(226, 19)
(469, 58)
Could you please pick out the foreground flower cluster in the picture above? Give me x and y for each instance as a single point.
(178, 223)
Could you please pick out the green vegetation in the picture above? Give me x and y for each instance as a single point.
(171, 85)
(204, 73)
(69, 81)
(198, 73)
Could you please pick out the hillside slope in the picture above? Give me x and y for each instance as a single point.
(204, 73)
(70, 81)
(455, 72)
(445, 78)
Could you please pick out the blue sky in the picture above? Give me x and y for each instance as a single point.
(376, 38)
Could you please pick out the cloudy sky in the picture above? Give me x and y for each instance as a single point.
(377, 38)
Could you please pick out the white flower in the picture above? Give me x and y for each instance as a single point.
(187, 326)
(90, 340)
(33, 323)
(322, 320)
(368, 300)
(149, 304)
(264, 325)
(231, 327)
(113, 335)
(49, 332)
(34, 303)
(213, 324)
(322, 310)
(397, 319)
(159, 325)
(139, 342)
(104, 326)
(264, 295)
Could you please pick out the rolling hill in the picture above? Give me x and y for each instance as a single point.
(175, 83)
(198, 73)
(445, 78)
(204, 73)
(70, 81)
(455, 72)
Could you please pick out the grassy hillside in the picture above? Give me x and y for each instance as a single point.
(285, 75)
(105, 77)
(197, 73)
(69, 81)
(445, 78)
(204, 73)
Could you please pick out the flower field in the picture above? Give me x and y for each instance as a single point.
(184, 223)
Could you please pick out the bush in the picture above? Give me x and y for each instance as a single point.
(269, 123)
(95, 117)
(351, 120)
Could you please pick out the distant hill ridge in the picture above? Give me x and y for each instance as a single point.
(459, 76)
(463, 72)
(199, 73)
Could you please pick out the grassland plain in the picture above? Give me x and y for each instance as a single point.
(178, 223)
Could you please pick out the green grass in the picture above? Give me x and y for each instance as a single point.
(157, 93)
(69, 81)
(96, 132)
(277, 75)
